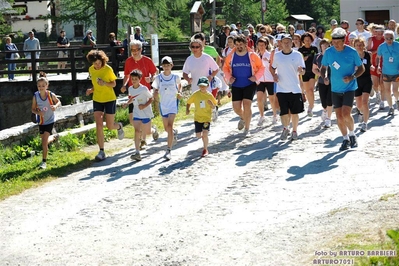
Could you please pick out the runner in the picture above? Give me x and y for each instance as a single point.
(346, 66)
(242, 70)
(289, 64)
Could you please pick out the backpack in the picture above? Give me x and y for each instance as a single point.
(36, 118)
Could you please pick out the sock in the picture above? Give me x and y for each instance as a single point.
(351, 133)
(44, 160)
(168, 149)
(346, 137)
(101, 149)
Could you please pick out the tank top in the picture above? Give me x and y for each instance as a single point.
(44, 106)
(168, 94)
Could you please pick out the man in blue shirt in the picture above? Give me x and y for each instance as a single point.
(346, 66)
(31, 43)
(389, 53)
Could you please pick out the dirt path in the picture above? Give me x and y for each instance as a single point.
(252, 201)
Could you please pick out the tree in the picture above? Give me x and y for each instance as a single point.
(276, 12)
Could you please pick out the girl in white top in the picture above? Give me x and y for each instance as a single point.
(266, 85)
(167, 86)
(141, 98)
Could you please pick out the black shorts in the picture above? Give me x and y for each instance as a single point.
(290, 102)
(340, 99)
(363, 86)
(390, 78)
(199, 127)
(107, 107)
(263, 86)
(325, 95)
(240, 94)
(46, 128)
(307, 76)
(131, 108)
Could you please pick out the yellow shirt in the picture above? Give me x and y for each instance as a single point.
(203, 110)
(102, 94)
(327, 35)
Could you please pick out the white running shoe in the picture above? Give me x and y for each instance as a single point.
(372, 92)
(155, 134)
(261, 121)
(382, 106)
(241, 124)
(167, 155)
(310, 112)
(378, 97)
(323, 115)
(121, 133)
(43, 165)
(327, 123)
(274, 120)
(360, 118)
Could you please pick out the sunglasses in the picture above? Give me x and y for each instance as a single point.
(388, 39)
(195, 47)
(263, 32)
(135, 50)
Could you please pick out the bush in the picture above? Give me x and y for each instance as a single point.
(122, 115)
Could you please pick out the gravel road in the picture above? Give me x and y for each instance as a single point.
(252, 201)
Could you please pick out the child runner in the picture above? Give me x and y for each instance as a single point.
(169, 88)
(141, 98)
(204, 104)
(44, 104)
(103, 80)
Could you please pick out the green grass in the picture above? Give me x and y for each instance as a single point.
(19, 171)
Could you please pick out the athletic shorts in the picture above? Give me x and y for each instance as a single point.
(130, 108)
(263, 86)
(199, 127)
(290, 102)
(363, 86)
(46, 128)
(340, 99)
(143, 120)
(215, 92)
(240, 94)
(308, 76)
(107, 107)
(390, 78)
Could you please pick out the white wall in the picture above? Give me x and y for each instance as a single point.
(35, 9)
(353, 9)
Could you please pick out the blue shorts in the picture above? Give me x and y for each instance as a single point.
(107, 107)
(167, 115)
(143, 120)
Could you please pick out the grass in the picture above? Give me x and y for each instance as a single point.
(19, 171)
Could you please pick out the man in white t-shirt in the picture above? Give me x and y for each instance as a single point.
(290, 64)
(360, 31)
(198, 65)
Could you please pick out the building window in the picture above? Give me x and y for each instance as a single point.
(78, 31)
(377, 17)
(20, 9)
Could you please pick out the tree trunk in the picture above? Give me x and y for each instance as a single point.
(101, 20)
(112, 17)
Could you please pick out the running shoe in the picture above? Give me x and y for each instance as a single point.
(294, 135)
(360, 118)
(241, 124)
(142, 144)
(121, 133)
(204, 153)
(378, 97)
(284, 134)
(155, 134)
(310, 112)
(327, 123)
(261, 121)
(136, 156)
(353, 141)
(175, 135)
(391, 111)
(246, 133)
(266, 107)
(100, 156)
(323, 115)
(167, 155)
(372, 93)
(43, 165)
(274, 119)
(382, 107)
(363, 128)
(345, 145)
(215, 114)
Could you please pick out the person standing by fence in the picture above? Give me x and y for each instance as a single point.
(31, 43)
(11, 56)
(62, 42)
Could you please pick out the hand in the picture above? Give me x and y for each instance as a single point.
(229, 94)
(305, 58)
(190, 80)
(372, 68)
(232, 80)
(252, 78)
(300, 69)
(347, 79)
(210, 77)
(147, 79)
(123, 89)
(179, 96)
(142, 106)
(53, 107)
(379, 71)
(326, 81)
(188, 112)
(275, 78)
(89, 91)
(211, 103)
(124, 105)
(100, 82)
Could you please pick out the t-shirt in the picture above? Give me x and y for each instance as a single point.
(241, 70)
(365, 34)
(210, 50)
(141, 95)
(203, 111)
(102, 94)
(317, 61)
(168, 90)
(342, 64)
(267, 76)
(145, 65)
(390, 56)
(287, 67)
(199, 67)
(309, 53)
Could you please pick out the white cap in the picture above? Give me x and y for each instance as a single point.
(338, 33)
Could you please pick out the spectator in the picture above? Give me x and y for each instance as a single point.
(138, 36)
(88, 41)
(360, 32)
(345, 26)
(31, 43)
(11, 56)
(223, 36)
(320, 32)
(117, 53)
(62, 42)
(333, 24)
(252, 35)
(299, 29)
(239, 25)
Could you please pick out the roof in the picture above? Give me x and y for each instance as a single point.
(301, 17)
(197, 8)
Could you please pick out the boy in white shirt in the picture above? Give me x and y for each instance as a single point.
(141, 98)
(168, 86)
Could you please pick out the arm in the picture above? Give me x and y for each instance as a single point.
(142, 106)
(323, 72)
(211, 76)
(124, 84)
(56, 101)
(188, 108)
(108, 84)
(186, 77)
(316, 70)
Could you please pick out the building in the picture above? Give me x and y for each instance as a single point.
(376, 11)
